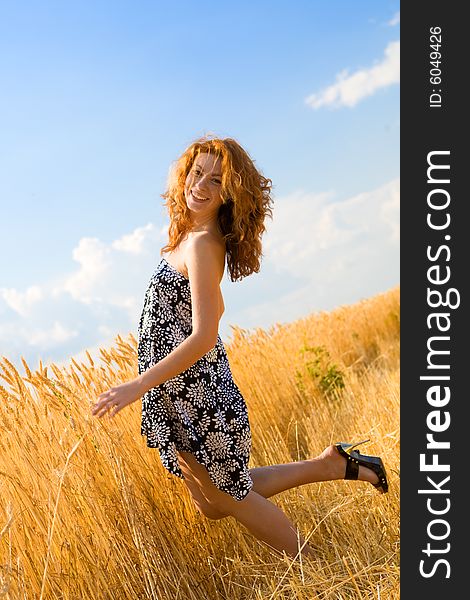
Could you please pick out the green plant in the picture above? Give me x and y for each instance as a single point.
(322, 370)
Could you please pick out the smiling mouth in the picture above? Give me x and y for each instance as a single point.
(197, 198)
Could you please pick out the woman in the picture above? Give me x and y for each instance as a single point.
(192, 410)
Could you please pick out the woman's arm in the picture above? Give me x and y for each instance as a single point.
(204, 262)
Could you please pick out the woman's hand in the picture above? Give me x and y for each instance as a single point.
(116, 398)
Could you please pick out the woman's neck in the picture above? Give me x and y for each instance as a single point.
(205, 223)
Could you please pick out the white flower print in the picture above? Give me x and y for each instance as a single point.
(219, 443)
(162, 431)
(184, 313)
(203, 423)
(218, 475)
(187, 410)
(196, 393)
(210, 373)
(223, 370)
(175, 385)
(173, 335)
(232, 465)
(219, 420)
(243, 442)
(165, 312)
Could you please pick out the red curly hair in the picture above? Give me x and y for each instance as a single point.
(247, 202)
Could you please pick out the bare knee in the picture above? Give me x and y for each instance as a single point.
(210, 501)
(219, 503)
(213, 503)
(209, 511)
(204, 506)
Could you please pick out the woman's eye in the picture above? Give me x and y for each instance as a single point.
(198, 173)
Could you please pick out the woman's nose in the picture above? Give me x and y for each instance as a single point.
(202, 182)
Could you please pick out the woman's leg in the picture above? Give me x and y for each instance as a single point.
(271, 480)
(262, 518)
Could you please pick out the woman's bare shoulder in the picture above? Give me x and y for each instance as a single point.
(207, 239)
(204, 245)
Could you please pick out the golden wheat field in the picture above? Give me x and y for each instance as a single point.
(88, 512)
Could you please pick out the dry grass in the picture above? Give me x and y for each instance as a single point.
(88, 512)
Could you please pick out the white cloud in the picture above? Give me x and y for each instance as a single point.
(21, 302)
(94, 259)
(350, 89)
(109, 274)
(305, 225)
(50, 337)
(134, 242)
(395, 20)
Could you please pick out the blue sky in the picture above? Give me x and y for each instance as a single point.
(98, 98)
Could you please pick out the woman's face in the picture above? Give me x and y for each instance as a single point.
(203, 185)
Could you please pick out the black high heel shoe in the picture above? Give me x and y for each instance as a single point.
(356, 460)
